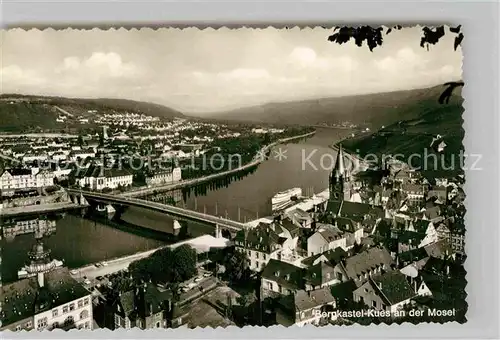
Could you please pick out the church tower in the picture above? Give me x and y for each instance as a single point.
(340, 179)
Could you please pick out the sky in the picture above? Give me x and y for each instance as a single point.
(211, 70)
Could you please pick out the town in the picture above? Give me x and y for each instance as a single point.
(389, 242)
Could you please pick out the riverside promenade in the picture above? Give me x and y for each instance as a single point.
(201, 244)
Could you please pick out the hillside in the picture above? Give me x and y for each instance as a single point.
(39, 113)
(367, 110)
(413, 137)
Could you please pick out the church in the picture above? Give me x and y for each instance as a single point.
(344, 198)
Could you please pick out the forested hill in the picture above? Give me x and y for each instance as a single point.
(413, 137)
(374, 110)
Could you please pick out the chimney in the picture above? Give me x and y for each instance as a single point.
(40, 279)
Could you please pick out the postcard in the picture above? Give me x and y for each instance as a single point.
(231, 177)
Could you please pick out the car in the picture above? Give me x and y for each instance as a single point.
(99, 278)
(198, 279)
(87, 282)
(207, 274)
(185, 289)
(104, 263)
(74, 272)
(191, 285)
(98, 265)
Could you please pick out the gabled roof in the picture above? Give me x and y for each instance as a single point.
(329, 233)
(358, 211)
(261, 238)
(369, 259)
(413, 255)
(333, 256)
(315, 274)
(285, 274)
(393, 286)
(420, 226)
(439, 249)
(24, 298)
(302, 300)
(127, 302)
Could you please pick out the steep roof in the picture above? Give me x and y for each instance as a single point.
(329, 232)
(22, 299)
(261, 238)
(393, 286)
(315, 275)
(285, 274)
(333, 256)
(369, 259)
(302, 300)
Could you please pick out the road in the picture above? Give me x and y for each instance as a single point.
(201, 244)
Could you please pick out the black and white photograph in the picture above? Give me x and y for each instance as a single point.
(185, 178)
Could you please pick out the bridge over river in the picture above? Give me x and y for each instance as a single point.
(220, 223)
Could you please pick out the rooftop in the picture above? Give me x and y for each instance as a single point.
(24, 298)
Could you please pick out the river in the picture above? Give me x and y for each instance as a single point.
(78, 241)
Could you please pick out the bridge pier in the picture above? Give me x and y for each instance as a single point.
(177, 227)
(107, 210)
(218, 231)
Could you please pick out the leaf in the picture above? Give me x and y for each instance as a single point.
(456, 29)
(458, 41)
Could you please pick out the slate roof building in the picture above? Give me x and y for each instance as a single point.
(145, 307)
(51, 300)
(388, 291)
(305, 308)
(281, 278)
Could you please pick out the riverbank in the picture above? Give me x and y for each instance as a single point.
(186, 183)
(200, 244)
(38, 209)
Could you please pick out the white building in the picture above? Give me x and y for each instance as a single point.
(327, 237)
(13, 179)
(45, 302)
(167, 176)
(98, 178)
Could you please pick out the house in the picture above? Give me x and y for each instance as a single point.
(167, 176)
(263, 243)
(98, 177)
(432, 214)
(454, 233)
(369, 262)
(353, 230)
(322, 274)
(47, 301)
(145, 307)
(306, 308)
(21, 178)
(388, 292)
(300, 217)
(415, 193)
(440, 192)
(325, 238)
(281, 278)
